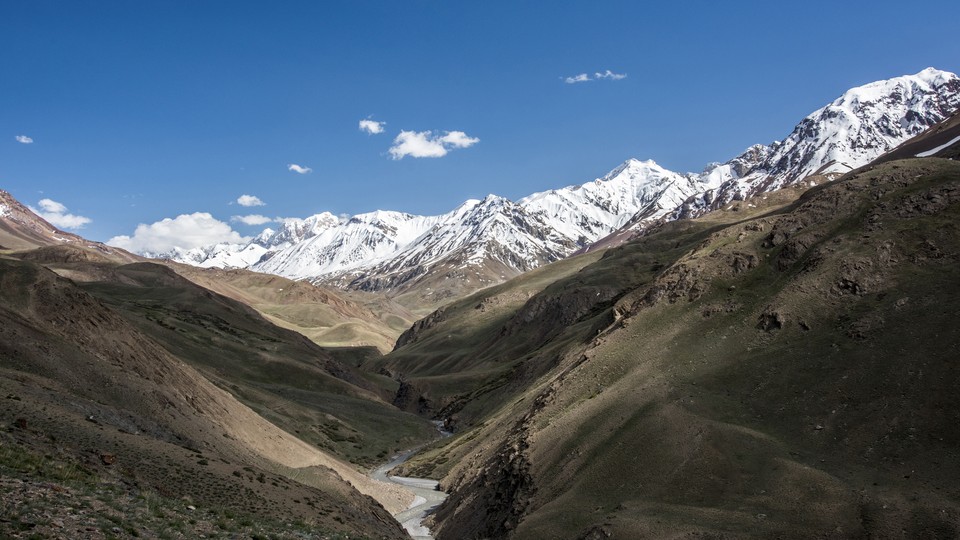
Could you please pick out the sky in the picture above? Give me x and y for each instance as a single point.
(115, 115)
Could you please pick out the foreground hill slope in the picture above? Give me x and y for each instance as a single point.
(782, 374)
(86, 388)
(282, 375)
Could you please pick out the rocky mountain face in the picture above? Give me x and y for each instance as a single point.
(778, 370)
(495, 239)
(853, 130)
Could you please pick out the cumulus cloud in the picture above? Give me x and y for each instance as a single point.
(56, 214)
(417, 144)
(298, 169)
(252, 219)
(584, 77)
(250, 200)
(372, 126)
(420, 144)
(186, 231)
(23, 139)
(49, 205)
(458, 139)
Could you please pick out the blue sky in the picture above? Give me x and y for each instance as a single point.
(140, 111)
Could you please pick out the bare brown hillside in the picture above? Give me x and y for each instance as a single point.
(329, 317)
(82, 383)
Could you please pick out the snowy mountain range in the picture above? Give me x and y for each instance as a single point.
(499, 238)
(850, 132)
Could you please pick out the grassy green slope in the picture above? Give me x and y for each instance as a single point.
(791, 374)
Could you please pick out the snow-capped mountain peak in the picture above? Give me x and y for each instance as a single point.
(264, 237)
(849, 132)
(863, 123)
(587, 212)
(293, 230)
(633, 168)
(389, 249)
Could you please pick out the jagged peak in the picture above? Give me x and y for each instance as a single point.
(474, 205)
(312, 224)
(465, 207)
(753, 154)
(634, 166)
(935, 76)
(753, 148)
(381, 216)
(265, 235)
(315, 218)
(927, 80)
(492, 199)
(322, 216)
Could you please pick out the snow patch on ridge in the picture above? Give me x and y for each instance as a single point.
(933, 151)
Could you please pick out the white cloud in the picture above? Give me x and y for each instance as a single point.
(290, 220)
(583, 77)
(186, 231)
(252, 219)
(49, 205)
(610, 75)
(424, 144)
(250, 200)
(416, 144)
(298, 169)
(56, 214)
(458, 139)
(372, 126)
(23, 139)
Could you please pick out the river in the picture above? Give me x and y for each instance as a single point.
(427, 494)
